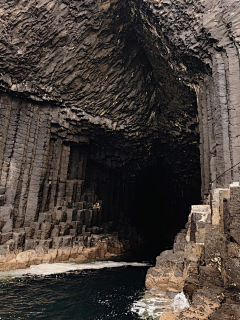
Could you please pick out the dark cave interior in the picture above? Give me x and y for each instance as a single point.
(155, 203)
(162, 203)
(121, 146)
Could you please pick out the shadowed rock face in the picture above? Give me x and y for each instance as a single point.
(199, 40)
(87, 113)
(85, 56)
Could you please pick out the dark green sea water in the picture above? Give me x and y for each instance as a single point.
(82, 295)
(98, 290)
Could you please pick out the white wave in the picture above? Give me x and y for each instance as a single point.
(46, 269)
(180, 302)
(153, 304)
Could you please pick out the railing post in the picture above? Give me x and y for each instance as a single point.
(239, 174)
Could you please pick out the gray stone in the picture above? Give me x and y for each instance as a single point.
(19, 238)
(67, 241)
(57, 242)
(45, 217)
(5, 237)
(3, 249)
(5, 212)
(11, 245)
(8, 226)
(30, 244)
(95, 230)
(2, 190)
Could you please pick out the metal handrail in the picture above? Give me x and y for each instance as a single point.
(211, 183)
(223, 173)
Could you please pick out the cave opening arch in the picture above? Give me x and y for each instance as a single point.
(125, 114)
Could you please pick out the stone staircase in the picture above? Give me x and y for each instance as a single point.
(205, 259)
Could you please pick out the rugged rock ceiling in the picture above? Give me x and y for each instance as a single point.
(201, 42)
(77, 73)
(85, 57)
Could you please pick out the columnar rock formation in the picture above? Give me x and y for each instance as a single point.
(199, 41)
(96, 95)
(82, 114)
(204, 262)
(49, 180)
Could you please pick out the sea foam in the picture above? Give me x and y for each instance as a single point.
(155, 304)
(46, 269)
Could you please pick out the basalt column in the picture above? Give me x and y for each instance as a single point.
(53, 187)
(200, 43)
(199, 40)
(95, 97)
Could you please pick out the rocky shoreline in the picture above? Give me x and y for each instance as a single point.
(68, 249)
(204, 262)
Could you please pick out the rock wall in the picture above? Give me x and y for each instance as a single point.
(83, 113)
(199, 40)
(49, 186)
(94, 96)
(204, 262)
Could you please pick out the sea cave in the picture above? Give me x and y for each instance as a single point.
(120, 127)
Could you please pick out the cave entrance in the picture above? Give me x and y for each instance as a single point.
(165, 190)
(162, 202)
(155, 204)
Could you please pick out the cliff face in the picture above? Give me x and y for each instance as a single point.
(199, 40)
(204, 261)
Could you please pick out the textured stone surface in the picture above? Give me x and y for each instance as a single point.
(168, 316)
(83, 111)
(98, 73)
(92, 93)
(66, 248)
(200, 37)
(208, 272)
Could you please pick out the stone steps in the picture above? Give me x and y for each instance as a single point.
(205, 258)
